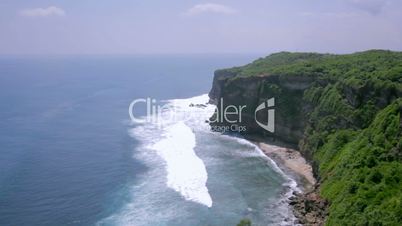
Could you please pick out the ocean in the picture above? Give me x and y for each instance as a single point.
(70, 155)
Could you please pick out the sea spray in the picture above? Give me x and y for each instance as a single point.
(197, 176)
(186, 172)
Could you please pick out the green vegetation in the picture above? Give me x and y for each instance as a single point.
(362, 172)
(353, 132)
(244, 222)
(373, 64)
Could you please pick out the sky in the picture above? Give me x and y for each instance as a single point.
(186, 27)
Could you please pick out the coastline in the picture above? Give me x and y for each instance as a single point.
(339, 123)
(308, 207)
(292, 163)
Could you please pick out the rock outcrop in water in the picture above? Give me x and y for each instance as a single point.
(343, 112)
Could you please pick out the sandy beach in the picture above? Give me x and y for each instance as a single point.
(292, 162)
(308, 207)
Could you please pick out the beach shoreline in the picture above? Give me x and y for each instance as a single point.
(307, 206)
(292, 163)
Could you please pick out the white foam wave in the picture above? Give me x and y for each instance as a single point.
(207, 112)
(174, 141)
(186, 172)
(290, 182)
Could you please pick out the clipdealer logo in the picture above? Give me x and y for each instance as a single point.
(268, 106)
(224, 114)
(228, 118)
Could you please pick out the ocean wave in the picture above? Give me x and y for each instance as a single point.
(174, 141)
(290, 184)
(169, 151)
(186, 172)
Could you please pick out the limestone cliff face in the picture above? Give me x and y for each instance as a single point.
(227, 89)
(302, 103)
(344, 114)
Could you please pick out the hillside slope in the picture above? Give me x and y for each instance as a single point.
(343, 112)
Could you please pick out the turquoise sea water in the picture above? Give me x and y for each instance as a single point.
(70, 156)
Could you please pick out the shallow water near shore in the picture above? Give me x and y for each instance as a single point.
(202, 178)
(70, 155)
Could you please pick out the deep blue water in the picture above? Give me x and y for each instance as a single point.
(66, 157)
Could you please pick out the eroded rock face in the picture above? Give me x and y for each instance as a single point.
(228, 89)
(318, 98)
(381, 97)
(291, 109)
(220, 77)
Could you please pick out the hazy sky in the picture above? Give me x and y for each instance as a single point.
(173, 26)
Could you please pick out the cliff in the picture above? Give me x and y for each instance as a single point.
(251, 91)
(343, 112)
